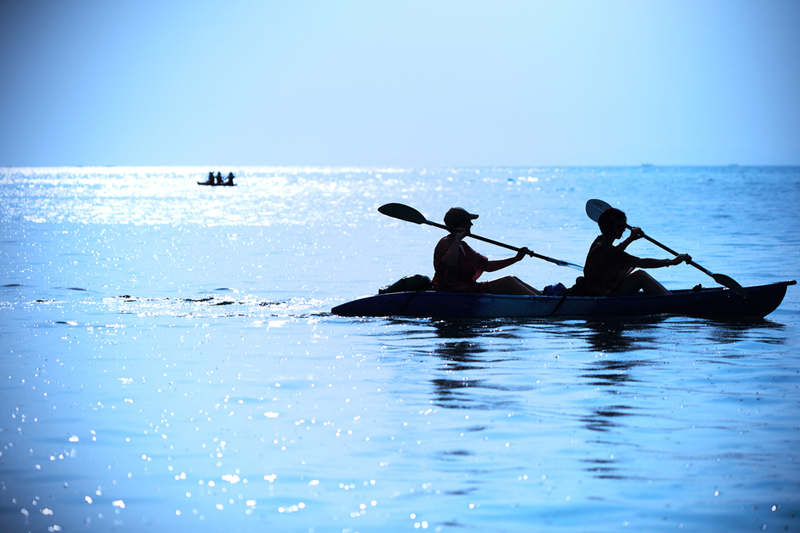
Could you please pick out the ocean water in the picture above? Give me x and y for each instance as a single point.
(170, 363)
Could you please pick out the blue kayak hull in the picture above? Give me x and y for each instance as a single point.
(710, 303)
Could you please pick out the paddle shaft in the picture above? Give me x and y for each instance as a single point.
(503, 245)
(484, 239)
(409, 214)
(673, 252)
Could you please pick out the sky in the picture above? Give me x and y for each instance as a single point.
(402, 83)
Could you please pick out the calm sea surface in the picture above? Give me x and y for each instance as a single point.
(170, 363)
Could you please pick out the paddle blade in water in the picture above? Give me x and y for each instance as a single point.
(403, 212)
(595, 208)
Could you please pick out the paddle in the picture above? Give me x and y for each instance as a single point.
(409, 214)
(595, 208)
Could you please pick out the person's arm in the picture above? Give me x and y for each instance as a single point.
(644, 262)
(450, 258)
(498, 264)
(636, 234)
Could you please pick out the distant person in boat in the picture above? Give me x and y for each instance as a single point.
(210, 180)
(219, 179)
(458, 266)
(610, 271)
(229, 180)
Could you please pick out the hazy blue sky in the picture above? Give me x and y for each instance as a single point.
(401, 83)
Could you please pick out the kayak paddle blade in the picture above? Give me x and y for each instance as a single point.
(595, 208)
(729, 282)
(402, 212)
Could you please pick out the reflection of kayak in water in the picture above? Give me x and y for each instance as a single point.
(217, 184)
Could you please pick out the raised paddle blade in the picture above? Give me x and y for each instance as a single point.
(403, 212)
(595, 208)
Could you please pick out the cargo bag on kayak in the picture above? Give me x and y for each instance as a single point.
(414, 283)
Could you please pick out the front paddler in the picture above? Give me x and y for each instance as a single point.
(458, 266)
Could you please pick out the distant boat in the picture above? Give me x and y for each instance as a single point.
(217, 181)
(217, 184)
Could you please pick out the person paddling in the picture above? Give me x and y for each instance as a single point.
(458, 266)
(610, 271)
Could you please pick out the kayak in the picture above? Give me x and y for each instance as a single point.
(705, 302)
(216, 184)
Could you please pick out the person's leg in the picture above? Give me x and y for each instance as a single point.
(510, 285)
(532, 289)
(639, 279)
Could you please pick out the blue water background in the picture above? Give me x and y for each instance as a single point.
(169, 360)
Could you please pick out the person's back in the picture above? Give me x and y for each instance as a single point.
(605, 267)
(462, 276)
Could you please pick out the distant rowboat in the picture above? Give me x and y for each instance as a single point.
(216, 181)
(707, 303)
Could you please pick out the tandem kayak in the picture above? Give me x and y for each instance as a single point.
(706, 303)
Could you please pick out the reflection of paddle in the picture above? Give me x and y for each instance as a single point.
(595, 208)
(409, 214)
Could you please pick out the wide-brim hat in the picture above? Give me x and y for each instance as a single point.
(456, 214)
